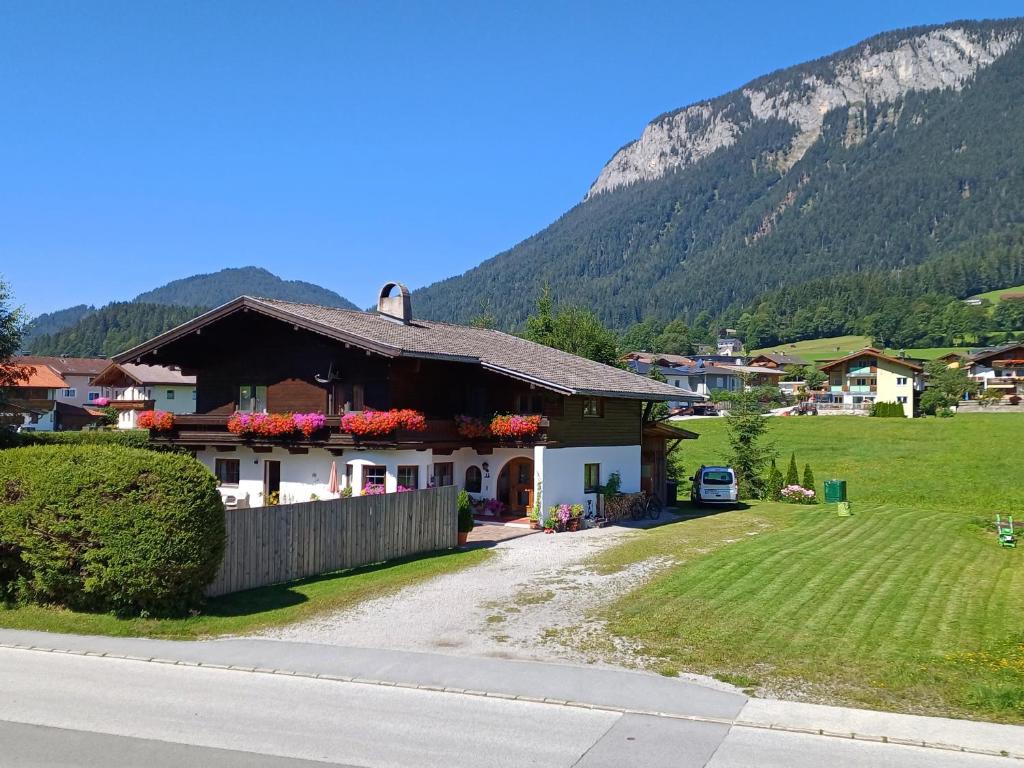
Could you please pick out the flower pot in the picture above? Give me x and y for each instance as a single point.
(572, 524)
(535, 525)
(463, 538)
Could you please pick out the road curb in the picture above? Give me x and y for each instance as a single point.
(732, 723)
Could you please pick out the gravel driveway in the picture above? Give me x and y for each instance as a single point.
(530, 601)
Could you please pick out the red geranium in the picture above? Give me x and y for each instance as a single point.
(160, 421)
(515, 426)
(366, 423)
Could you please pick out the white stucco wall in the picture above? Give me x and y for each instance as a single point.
(82, 389)
(561, 471)
(184, 400)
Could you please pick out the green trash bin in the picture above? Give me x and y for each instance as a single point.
(835, 491)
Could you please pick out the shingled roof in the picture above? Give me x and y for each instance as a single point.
(493, 350)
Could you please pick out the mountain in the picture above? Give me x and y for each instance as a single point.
(904, 150)
(86, 331)
(217, 288)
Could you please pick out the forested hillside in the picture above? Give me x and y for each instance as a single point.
(218, 288)
(87, 331)
(761, 205)
(112, 329)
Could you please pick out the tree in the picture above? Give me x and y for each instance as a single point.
(746, 428)
(12, 328)
(659, 410)
(773, 485)
(572, 329)
(792, 475)
(675, 339)
(642, 337)
(808, 482)
(989, 396)
(813, 377)
(946, 387)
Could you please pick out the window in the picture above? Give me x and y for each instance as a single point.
(444, 473)
(170, 394)
(901, 380)
(473, 479)
(68, 393)
(252, 399)
(530, 403)
(193, 394)
(862, 382)
(94, 396)
(409, 476)
(591, 478)
(374, 474)
(901, 399)
(592, 407)
(227, 471)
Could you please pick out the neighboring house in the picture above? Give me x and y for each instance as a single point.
(657, 358)
(776, 360)
(131, 388)
(78, 374)
(704, 379)
(756, 376)
(674, 376)
(729, 346)
(1000, 368)
(261, 355)
(858, 380)
(37, 399)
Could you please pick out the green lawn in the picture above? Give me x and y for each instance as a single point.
(819, 350)
(993, 296)
(909, 605)
(256, 609)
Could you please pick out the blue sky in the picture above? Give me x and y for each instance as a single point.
(348, 143)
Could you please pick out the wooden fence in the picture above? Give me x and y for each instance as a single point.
(270, 545)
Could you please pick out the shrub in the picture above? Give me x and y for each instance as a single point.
(108, 528)
(1014, 399)
(884, 409)
(808, 477)
(465, 507)
(796, 494)
(792, 474)
(773, 483)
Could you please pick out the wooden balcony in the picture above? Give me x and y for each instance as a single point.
(198, 430)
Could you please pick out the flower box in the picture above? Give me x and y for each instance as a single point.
(158, 421)
(275, 424)
(375, 423)
(516, 426)
(471, 427)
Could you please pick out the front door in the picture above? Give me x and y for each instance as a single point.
(515, 484)
(271, 481)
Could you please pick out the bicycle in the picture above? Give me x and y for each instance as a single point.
(645, 505)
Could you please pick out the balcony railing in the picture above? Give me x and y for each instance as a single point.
(202, 429)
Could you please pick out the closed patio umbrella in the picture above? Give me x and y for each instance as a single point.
(332, 481)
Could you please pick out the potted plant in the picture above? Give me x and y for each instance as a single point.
(575, 517)
(551, 520)
(534, 515)
(466, 523)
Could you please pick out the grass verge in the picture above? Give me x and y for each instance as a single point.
(256, 609)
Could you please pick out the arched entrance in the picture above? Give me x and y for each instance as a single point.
(515, 484)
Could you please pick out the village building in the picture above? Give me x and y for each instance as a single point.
(388, 400)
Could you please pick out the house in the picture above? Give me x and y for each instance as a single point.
(1000, 368)
(78, 374)
(37, 400)
(674, 376)
(705, 379)
(776, 360)
(756, 375)
(858, 380)
(729, 346)
(131, 388)
(657, 358)
(389, 400)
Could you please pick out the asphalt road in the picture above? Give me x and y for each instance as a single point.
(76, 710)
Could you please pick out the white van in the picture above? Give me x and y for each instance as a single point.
(714, 485)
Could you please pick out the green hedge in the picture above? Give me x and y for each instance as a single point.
(128, 438)
(108, 528)
(887, 410)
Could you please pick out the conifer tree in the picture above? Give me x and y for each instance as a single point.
(792, 474)
(808, 477)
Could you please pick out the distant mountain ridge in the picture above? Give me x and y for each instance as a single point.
(903, 149)
(86, 331)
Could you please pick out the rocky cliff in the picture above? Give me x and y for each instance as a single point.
(875, 72)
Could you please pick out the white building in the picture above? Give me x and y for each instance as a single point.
(132, 388)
